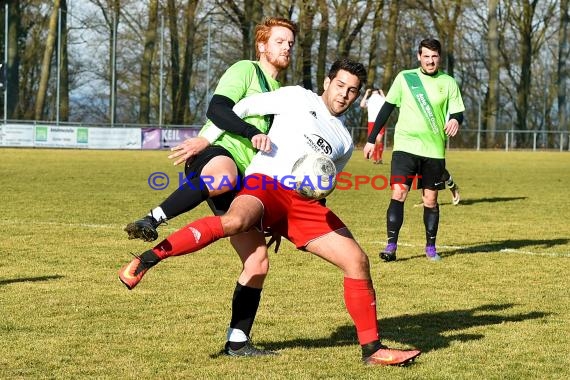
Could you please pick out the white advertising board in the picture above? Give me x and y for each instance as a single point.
(113, 138)
(17, 135)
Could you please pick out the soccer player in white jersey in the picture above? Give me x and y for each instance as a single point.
(303, 123)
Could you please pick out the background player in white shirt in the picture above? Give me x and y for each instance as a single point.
(372, 101)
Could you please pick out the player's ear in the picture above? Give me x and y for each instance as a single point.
(261, 47)
(326, 83)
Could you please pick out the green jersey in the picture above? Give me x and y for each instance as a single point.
(416, 132)
(239, 81)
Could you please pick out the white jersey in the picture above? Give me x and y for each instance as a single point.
(302, 124)
(374, 102)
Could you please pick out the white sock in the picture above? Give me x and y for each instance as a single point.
(236, 335)
(157, 214)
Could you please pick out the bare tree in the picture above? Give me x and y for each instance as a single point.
(373, 57)
(182, 114)
(350, 18)
(63, 66)
(146, 62)
(324, 29)
(111, 11)
(13, 63)
(562, 69)
(171, 10)
(389, 61)
(492, 99)
(305, 40)
(46, 62)
(246, 18)
(530, 35)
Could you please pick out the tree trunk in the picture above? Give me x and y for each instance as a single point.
(345, 13)
(246, 19)
(147, 60)
(562, 69)
(113, 23)
(305, 35)
(13, 63)
(64, 67)
(492, 98)
(373, 57)
(174, 58)
(183, 110)
(322, 49)
(391, 37)
(523, 86)
(46, 62)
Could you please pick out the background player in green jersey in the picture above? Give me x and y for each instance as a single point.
(221, 164)
(425, 96)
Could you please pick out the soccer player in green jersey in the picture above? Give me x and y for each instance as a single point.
(212, 171)
(425, 96)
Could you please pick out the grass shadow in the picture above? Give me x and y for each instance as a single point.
(431, 331)
(471, 201)
(29, 279)
(497, 246)
(426, 331)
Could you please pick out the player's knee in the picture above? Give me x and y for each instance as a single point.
(429, 202)
(364, 263)
(257, 268)
(357, 266)
(399, 193)
(234, 224)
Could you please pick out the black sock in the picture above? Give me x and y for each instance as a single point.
(185, 198)
(244, 309)
(370, 348)
(431, 222)
(394, 220)
(149, 258)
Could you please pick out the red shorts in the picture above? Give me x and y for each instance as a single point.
(298, 219)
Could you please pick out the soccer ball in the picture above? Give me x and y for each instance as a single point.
(315, 176)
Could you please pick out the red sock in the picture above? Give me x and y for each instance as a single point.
(191, 238)
(380, 150)
(360, 300)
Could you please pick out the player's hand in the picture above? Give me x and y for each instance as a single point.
(189, 148)
(274, 238)
(451, 127)
(261, 142)
(368, 149)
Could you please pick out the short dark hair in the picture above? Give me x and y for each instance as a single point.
(431, 44)
(353, 67)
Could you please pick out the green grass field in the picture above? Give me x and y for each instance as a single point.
(496, 307)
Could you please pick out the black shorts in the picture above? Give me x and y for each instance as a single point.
(417, 171)
(193, 167)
